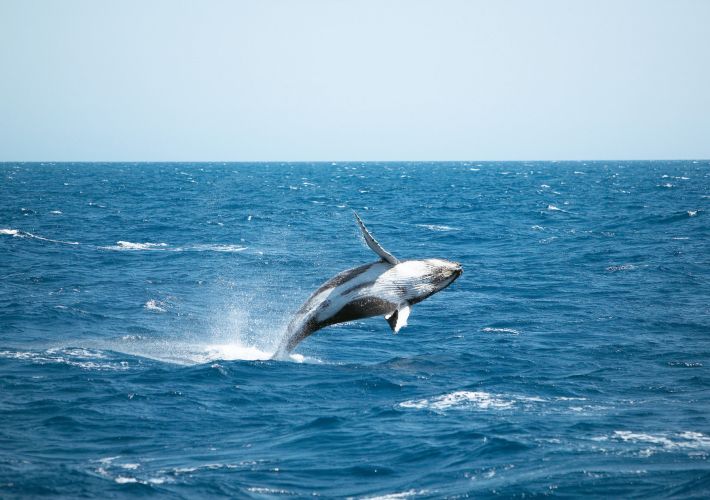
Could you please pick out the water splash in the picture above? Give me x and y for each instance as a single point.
(242, 327)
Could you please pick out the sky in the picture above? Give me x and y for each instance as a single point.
(357, 80)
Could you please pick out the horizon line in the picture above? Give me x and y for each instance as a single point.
(359, 161)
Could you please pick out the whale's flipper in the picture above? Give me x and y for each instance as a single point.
(372, 243)
(398, 319)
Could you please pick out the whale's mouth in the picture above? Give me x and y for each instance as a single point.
(456, 271)
(455, 274)
(452, 276)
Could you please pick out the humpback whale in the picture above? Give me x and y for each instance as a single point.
(388, 287)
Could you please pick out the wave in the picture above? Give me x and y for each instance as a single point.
(481, 400)
(622, 267)
(197, 354)
(665, 441)
(117, 469)
(133, 246)
(685, 439)
(490, 329)
(398, 496)
(461, 399)
(435, 227)
(148, 246)
(214, 248)
(135, 346)
(555, 208)
(17, 233)
(86, 359)
(127, 245)
(155, 305)
(241, 343)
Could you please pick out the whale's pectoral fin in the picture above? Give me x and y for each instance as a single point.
(392, 320)
(398, 319)
(372, 243)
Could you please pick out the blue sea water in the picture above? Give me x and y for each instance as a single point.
(139, 304)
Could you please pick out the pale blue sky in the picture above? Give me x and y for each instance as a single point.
(354, 80)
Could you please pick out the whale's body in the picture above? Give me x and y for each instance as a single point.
(386, 288)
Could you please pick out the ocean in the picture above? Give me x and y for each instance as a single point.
(140, 302)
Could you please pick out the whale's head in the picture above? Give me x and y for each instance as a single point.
(442, 272)
(420, 279)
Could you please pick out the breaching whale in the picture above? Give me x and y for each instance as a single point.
(388, 288)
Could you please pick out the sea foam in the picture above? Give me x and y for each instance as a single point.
(461, 399)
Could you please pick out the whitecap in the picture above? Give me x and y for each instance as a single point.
(132, 338)
(270, 491)
(623, 267)
(155, 305)
(692, 213)
(78, 352)
(217, 248)
(128, 245)
(215, 466)
(685, 364)
(490, 329)
(669, 441)
(435, 227)
(398, 496)
(148, 246)
(460, 399)
(16, 233)
(80, 358)
(125, 480)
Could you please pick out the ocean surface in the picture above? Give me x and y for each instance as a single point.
(139, 304)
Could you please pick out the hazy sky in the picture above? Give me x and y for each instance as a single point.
(354, 80)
